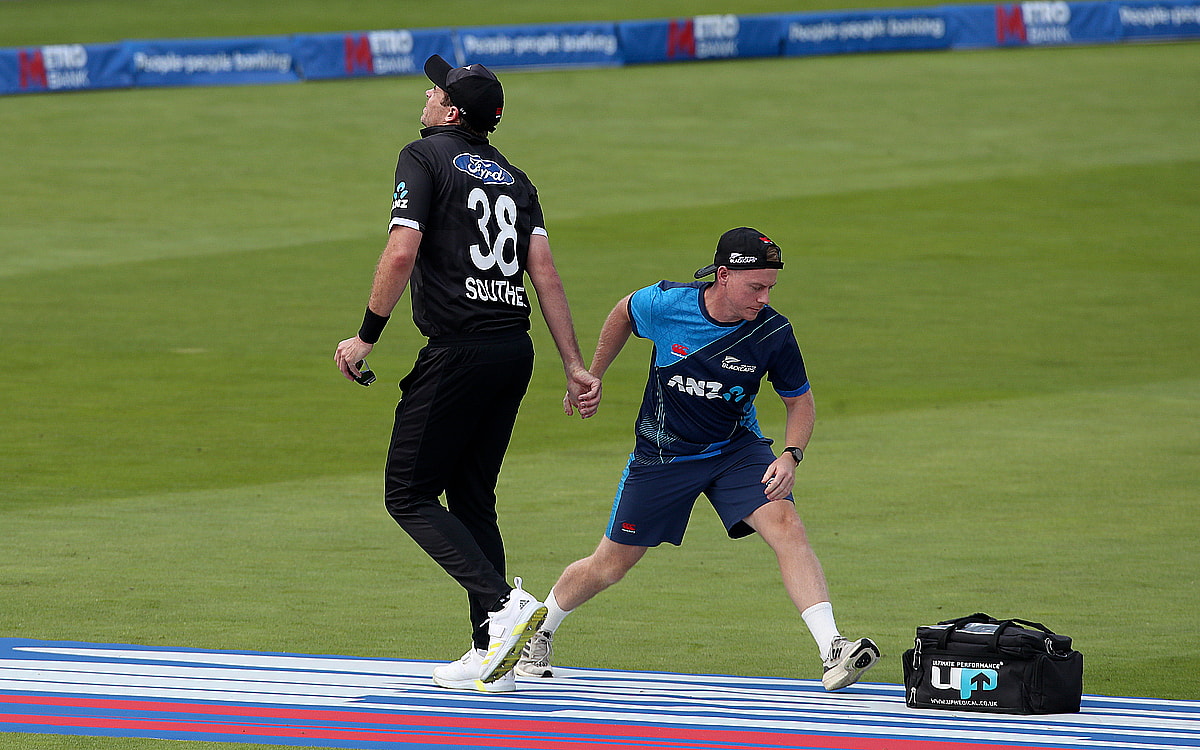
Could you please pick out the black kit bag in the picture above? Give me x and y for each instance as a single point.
(979, 663)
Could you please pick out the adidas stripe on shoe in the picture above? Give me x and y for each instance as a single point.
(509, 628)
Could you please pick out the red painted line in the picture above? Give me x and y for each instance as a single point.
(447, 739)
(421, 728)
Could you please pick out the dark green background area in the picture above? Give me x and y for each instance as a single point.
(991, 268)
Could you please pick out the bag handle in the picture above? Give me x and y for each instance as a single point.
(1034, 625)
(944, 636)
(1001, 625)
(1015, 621)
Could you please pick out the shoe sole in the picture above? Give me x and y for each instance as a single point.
(507, 656)
(865, 656)
(538, 673)
(475, 685)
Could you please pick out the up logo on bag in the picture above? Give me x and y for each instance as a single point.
(967, 679)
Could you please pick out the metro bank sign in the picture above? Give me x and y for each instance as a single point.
(53, 67)
(1033, 23)
(700, 38)
(369, 53)
(379, 53)
(703, 37)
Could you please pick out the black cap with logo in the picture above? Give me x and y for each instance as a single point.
(474, 89)
(744, 249)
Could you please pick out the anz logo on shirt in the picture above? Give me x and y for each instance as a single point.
(709, 389)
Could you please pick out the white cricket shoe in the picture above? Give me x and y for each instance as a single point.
(508, 630)
(847, 661)
(535, 659)
(464, 675)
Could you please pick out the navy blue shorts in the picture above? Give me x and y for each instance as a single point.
(654, 502)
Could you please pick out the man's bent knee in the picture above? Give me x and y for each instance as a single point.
(778, 520)
(403, 505)
(611, 561)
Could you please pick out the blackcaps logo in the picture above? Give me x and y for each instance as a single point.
(737, 365)
(489, 172)
(400, 197)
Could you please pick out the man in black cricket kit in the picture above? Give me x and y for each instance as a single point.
(466, 229)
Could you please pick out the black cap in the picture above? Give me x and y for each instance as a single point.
(744, 249)
(475, 90)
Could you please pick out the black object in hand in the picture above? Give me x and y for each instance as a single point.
(365, 375)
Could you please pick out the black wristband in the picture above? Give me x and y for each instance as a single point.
(372, 326)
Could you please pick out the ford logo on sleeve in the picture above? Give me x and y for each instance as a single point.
(486, 170)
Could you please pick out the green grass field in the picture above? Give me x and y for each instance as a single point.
(991, 265)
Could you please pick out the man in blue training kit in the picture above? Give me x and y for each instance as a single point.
(697, 433)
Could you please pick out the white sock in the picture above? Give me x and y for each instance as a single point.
(554, 614)
(819, 619)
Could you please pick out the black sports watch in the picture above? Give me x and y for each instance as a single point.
(797, 453)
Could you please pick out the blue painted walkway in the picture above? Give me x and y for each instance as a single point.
(344, 702)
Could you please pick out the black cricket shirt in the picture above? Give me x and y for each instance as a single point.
(476, 212)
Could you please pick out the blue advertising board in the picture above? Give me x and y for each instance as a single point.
(1032, 24)
(1158, 20)
(370, 53)
(209, 62)
(589, 45)
(63, 67)
(701, 38)
(545, 46)
(866, 31)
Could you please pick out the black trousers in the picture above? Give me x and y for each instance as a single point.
(453, 426)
